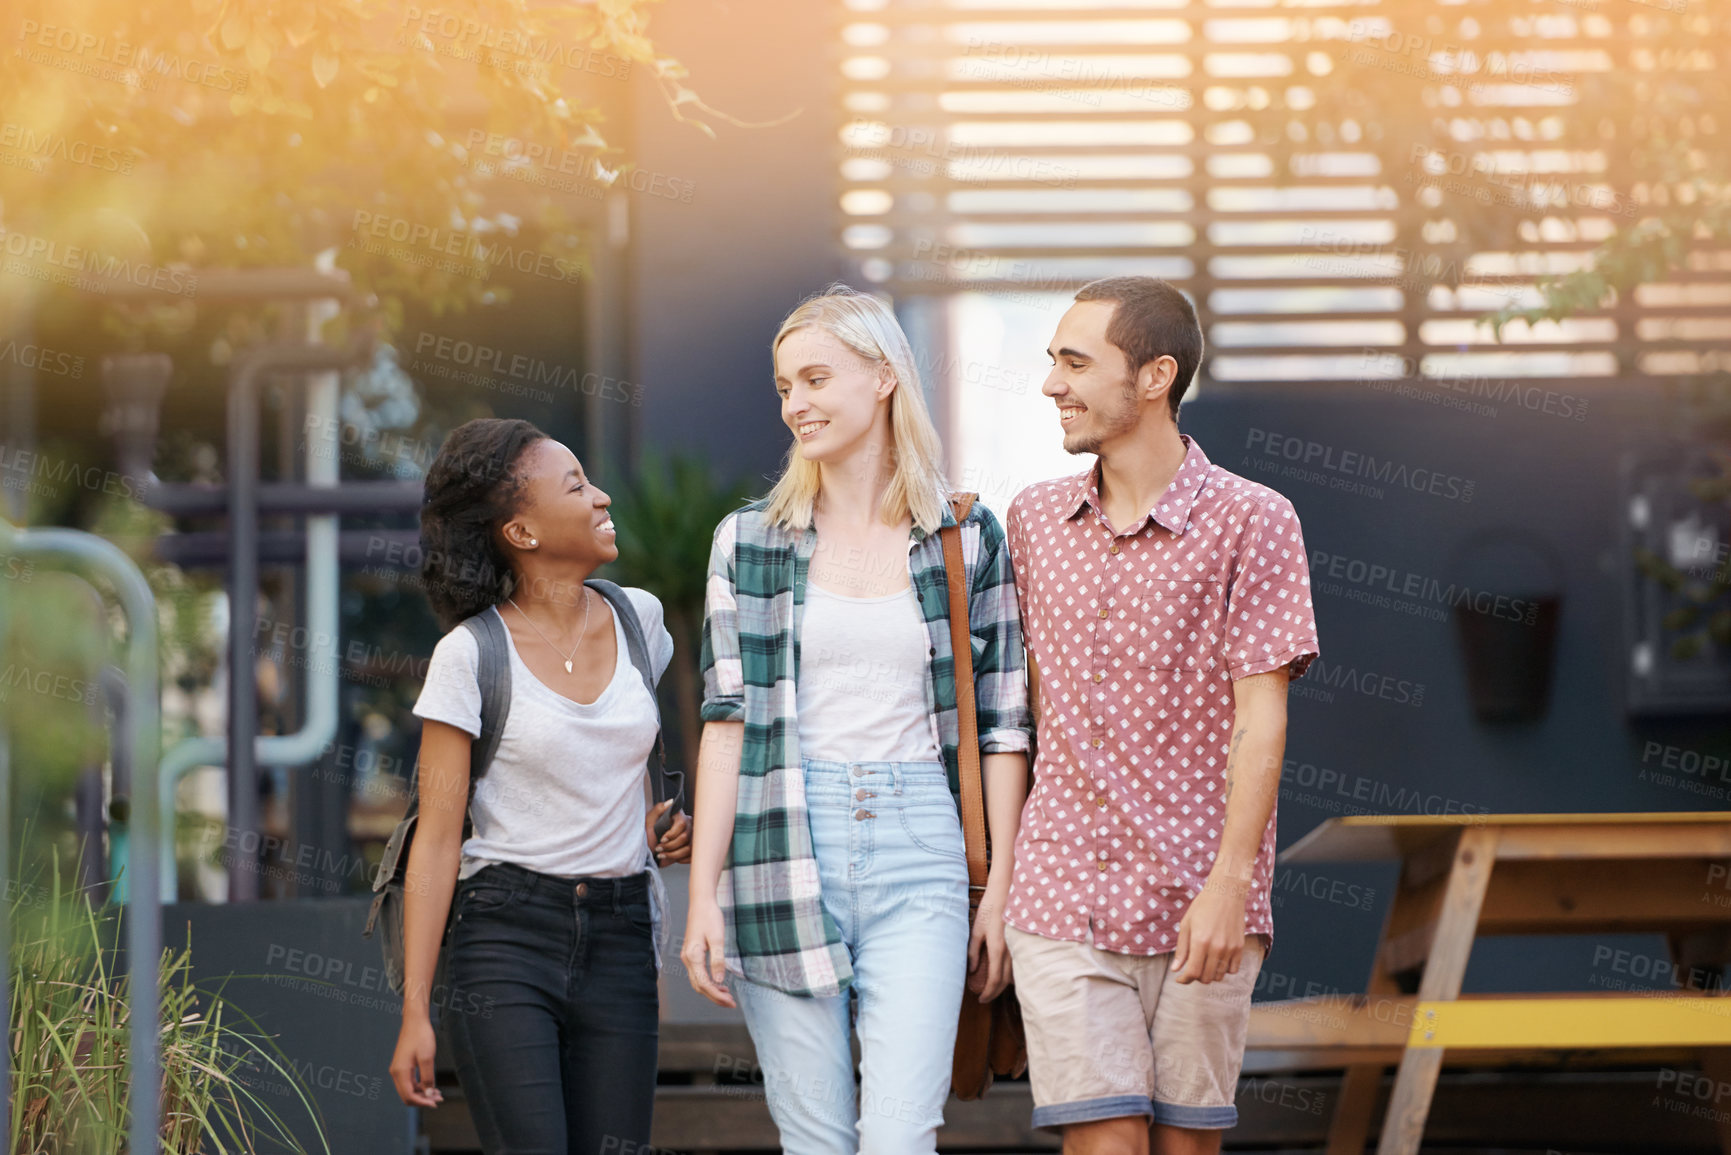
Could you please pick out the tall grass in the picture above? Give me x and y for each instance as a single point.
(70, 1044)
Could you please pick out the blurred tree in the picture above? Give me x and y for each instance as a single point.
(434, 152)
(1590, 129)
(1581, 148)
(145, 139)
(1498, 125)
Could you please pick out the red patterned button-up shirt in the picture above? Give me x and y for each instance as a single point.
(1139, 635)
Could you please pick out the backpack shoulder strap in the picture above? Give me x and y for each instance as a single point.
(633, 626)
(493, 673)
(664, 781)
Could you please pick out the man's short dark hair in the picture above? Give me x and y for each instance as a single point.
(1152, 320)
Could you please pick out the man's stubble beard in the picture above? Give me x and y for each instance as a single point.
(1122, 418)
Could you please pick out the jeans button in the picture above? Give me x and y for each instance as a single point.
(857, 771)
(582, 889)
(862, 815)
(861, 795)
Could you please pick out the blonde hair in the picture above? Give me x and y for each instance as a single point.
(917, 488)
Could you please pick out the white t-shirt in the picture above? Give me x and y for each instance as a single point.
(861, 695)
(564, 794)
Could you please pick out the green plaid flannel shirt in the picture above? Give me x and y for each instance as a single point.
(778, 933)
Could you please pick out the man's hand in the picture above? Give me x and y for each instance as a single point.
(1211, 933)
(675, 845)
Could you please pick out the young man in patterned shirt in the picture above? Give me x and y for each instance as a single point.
(1165, 603)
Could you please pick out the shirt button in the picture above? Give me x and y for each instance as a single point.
(1102, 613)
(1102, 866)
(1098, 743)
(582, 889)
(1100, 801)
(1114, 549)
(1099, 677)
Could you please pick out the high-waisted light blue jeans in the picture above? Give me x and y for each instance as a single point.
(894, 878)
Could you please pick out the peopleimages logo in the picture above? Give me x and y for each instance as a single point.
(486, 360)
(96, 267)
(1391, 368)
(1356, 464)
(1376, 578)
(462, 251)
(41, 359)
(1334, 786)
(142, 58)
(1323, 677)
(57, 146)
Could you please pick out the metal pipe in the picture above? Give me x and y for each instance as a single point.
(242, 723)
(323, 581)
(135, 384)
(185, 499)
(75, 550)
(323, 623)
(393, 548)
(5, 889)
(243, 532)
(182, 757)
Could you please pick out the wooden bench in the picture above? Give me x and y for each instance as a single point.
(1462, 876)
(700, 1109)
(1570, 1109)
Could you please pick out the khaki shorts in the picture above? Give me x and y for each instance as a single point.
(1111, 1035)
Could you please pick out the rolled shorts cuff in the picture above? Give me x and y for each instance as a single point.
(1055, 1116)
(1198, 1118)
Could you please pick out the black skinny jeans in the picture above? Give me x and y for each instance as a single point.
(555, 1036)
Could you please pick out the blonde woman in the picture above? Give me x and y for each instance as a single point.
(827, 862)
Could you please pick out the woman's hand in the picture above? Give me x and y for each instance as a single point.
(675, 845)
(988, 953)
(412, 1065)
(704, 952)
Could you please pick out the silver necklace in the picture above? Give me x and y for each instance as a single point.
(548, 640)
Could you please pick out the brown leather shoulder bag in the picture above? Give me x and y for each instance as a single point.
(989, 1037)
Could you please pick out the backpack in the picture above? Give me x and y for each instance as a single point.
(493, 673)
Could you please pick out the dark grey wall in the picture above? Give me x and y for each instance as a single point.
(712, 279)
(303, 976)
(1548, 480)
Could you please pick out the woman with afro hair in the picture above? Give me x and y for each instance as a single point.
(553, 942)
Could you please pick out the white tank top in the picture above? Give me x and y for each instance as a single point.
(861, 695)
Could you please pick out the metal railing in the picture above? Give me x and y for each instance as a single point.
(144, 847)
(87, 555)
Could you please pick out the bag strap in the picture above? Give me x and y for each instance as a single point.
(967, 717)
(664, 783)
(493, 673)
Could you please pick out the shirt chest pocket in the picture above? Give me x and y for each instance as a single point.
(1176, 624)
